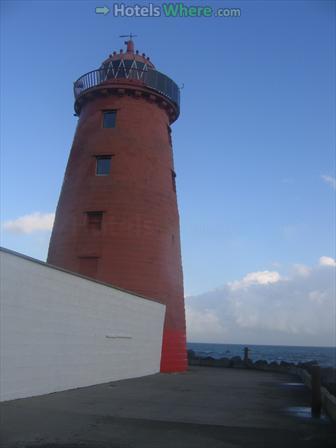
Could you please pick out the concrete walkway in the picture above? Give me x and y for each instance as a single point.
(203, 408)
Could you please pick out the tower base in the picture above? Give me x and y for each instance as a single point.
(174, 352)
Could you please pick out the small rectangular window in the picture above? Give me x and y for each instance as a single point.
(94, 220)
(103, 165)
(169, 135)
(109, 119)
(173, 174)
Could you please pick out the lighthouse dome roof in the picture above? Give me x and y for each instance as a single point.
(135, 70)
(129, 59)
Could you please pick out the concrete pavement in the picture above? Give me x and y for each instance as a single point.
(205, 407)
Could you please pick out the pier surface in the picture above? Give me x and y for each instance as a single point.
(203, 408)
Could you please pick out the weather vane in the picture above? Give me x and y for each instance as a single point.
(130, 35)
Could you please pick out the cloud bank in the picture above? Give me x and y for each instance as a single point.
(30, 223)
(327, 261)
(268, 308)
(330, 180)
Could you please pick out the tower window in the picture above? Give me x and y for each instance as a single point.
(109, 119)
(103, 165)
(173, 174)
(94, 220)
(169, 135)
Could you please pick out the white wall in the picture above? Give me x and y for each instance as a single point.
(61, 331)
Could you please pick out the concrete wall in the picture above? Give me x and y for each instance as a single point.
(61, 331)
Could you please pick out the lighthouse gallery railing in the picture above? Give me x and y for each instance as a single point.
(151, 78)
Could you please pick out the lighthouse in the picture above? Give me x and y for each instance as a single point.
(117, 217)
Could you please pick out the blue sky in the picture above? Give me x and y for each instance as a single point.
(254, 145)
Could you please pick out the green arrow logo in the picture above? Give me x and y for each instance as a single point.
(102, 10)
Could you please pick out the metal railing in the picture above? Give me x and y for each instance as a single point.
(151, 78)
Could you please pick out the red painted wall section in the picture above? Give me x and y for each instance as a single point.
(137, 246)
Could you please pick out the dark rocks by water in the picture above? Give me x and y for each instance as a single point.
(191, 354)
(274, 366)
(223, 362)
(208, 361)
(261, 364)
(237, 362)
(286, 365)
(193, 360)
(328, 374)
(307, 365)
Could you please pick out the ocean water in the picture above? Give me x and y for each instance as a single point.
(325, 356)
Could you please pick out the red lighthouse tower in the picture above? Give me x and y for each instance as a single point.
(117, 218)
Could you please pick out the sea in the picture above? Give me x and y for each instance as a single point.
(325, 356)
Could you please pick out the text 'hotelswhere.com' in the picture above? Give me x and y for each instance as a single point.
(170, 9)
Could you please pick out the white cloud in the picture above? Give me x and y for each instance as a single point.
(267, 308)
(327, 261)
(330, 180)
(30, 223)
(203, 322)
(256, 278)
(318, 296)
(302, 269)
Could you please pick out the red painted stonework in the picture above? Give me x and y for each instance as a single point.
(174, 350)
(137, 246)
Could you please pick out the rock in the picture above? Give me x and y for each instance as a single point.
(249, 364)
(236, 361)
(194, 361)
(223, 362)
(191, 354)
(208, 361)
(286, 366)
(307, 365)
(274, 366)
(261, 364)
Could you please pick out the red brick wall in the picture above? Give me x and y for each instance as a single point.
(138, 245)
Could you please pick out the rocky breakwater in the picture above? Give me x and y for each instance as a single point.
(243, 363)
(309, 372)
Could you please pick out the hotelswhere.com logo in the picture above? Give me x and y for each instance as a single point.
(168, 9)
